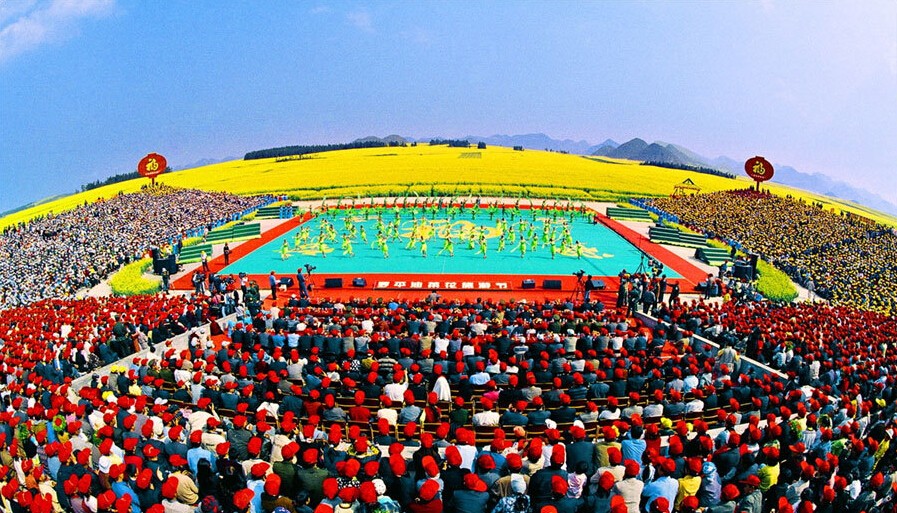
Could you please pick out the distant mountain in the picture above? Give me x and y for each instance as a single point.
(638, 149)
(823, 184)
(200, 163)
(534, 142)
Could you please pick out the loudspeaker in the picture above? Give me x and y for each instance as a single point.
(165, 263)
(742, 271)
(528, 284)
(333, 283)
(154, 251)
(598, 284)
(287, 281)
(551, 284)
(753, 259)
(359, 282)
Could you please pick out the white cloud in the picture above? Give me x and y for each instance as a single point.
(321, 9)
(361, 20)
(26, 26)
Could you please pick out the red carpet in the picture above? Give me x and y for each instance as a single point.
(686, 269)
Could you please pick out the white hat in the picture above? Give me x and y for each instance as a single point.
(104, 464)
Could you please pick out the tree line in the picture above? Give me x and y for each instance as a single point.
(286, 151)
(121, 177)
(686, 167)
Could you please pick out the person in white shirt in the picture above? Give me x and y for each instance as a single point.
(487, 417)
(696, 404)
(396, 390)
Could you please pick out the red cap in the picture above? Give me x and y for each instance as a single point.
(730, 492)
(632, 468)
(242, 499)
(473, 482)
(222, 449)
(170, 487)
(428, 490)
(558, 455)
(559, 485)
(751, 480)
(272, 484)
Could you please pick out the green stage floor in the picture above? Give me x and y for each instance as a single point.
(602, 252)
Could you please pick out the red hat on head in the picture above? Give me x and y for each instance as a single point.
(473, 482)
(222, 449)
(243, 498)
(397, 465)
(289, 450)
(660, 505)
(559, 485)
(272, 484)
(254, 446)
(486, 462)
(105, 500)
(170, 487)
(453, 456)
(689, 503)
(514, 461)
(310, 456)
(730, 492)
(428, 490)
(176, 460)
(330, 487)
(631, 468)
(558, 455)
(606, 481)
(751, 480)
(259, 470)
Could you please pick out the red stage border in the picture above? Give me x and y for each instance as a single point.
(691, 274)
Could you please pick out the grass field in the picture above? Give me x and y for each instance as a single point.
(436, 170)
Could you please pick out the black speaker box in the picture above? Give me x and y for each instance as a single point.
(742, 271)
(333, 283)
(359, 282)
(169, 263)
(551, 284)
(598, 284)
(528, 284)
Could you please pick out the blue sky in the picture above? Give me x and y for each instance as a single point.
(88, 87)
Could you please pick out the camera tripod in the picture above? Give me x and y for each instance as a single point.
(578, 290)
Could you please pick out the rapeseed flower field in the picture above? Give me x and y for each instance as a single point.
(436, 170)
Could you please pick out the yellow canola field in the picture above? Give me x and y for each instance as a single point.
(439, 170)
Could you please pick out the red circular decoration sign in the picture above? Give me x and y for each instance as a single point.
(758, 168)
(152, 165)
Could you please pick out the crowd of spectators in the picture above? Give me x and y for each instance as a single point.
(314, 405)
(844, 258)
(58, 254)
(63, 339)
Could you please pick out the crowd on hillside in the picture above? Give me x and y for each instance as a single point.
(842, 258)
(58, 254)
(445, 406)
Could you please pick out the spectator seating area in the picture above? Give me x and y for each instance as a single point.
(843, 258)
(59, 254)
